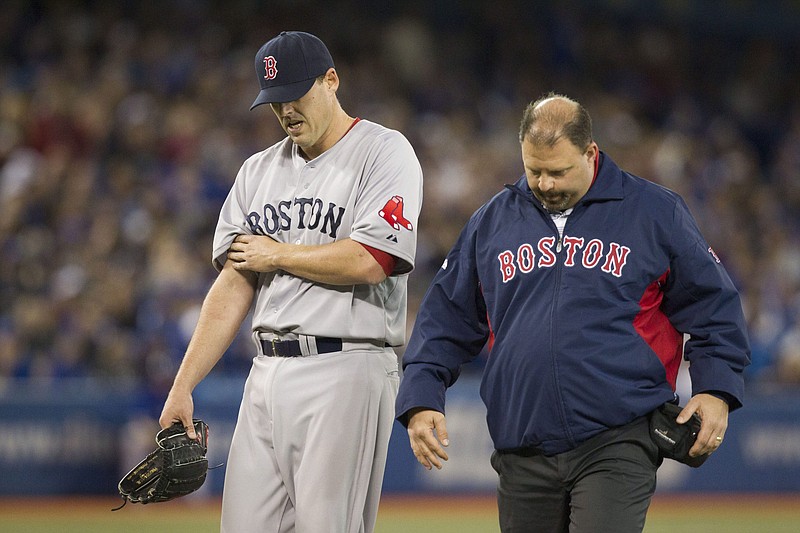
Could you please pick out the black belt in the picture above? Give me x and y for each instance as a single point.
(273, 348)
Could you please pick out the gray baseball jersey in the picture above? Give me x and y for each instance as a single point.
(367, 187)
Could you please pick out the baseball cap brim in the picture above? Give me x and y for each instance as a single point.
(283, 93)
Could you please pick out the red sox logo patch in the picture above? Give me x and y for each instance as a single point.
(270, 68)
(392, 213)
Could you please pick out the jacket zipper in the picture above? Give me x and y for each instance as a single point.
(553, 324)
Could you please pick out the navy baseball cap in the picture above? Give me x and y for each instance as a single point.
(287, 65)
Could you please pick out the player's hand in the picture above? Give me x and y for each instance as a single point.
(256, 253)
(713, 413)
(179, 407)
(424, 425)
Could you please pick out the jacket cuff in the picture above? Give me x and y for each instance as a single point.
(421, 387)
(715, 377)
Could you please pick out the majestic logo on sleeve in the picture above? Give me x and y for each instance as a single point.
(392, 213)
(611, 258)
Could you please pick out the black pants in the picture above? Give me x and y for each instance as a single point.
(602, 486)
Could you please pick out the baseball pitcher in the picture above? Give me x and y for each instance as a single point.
(318, 234)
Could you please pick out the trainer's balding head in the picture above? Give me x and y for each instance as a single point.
(558, 153)
(553, 117)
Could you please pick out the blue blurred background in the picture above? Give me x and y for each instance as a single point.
(123, 124)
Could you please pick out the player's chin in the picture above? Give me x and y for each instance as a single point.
(300, 138)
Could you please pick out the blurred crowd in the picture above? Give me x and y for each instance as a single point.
(122, 126)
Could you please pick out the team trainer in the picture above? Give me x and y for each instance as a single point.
(582, 278)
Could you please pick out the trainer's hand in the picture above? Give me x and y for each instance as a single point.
(422, 423)
(256, 253)
(179, 407)
(713, 413)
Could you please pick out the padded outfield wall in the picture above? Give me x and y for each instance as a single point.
(66, 438)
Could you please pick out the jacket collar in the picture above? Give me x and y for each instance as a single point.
(607, 186)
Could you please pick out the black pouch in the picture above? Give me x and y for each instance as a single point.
(675, 440)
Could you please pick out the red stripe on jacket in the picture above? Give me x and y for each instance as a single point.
(657, 331)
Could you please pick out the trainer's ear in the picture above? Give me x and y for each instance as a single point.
(592, 152)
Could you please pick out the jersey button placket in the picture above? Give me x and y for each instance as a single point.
(305, 188)
(303, 184)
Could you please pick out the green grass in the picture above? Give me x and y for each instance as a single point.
(738, 524)
(736, 514)
(687, 514)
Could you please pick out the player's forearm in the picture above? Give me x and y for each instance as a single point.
(226, 305)
(343, 262)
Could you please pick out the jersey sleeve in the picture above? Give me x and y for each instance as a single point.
(701, 300)
(451, 329)
(231, 222)
(389, 200)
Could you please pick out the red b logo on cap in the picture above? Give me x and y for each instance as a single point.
(270, 68)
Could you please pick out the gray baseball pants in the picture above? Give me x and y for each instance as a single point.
(309, 449)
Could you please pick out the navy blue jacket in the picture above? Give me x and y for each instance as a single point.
(585, 332)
